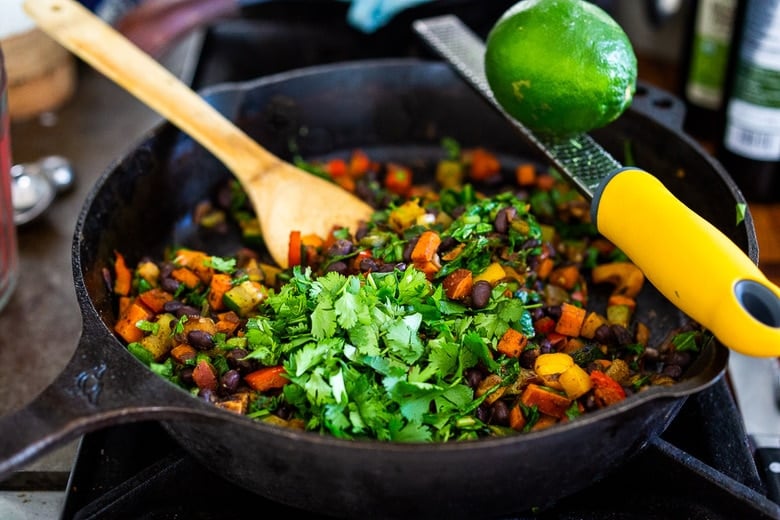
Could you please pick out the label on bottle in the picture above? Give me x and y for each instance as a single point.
(753, 117)
(713, 28)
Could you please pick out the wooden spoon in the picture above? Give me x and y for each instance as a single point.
(284, 197)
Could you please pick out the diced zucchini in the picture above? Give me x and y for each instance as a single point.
(244, 297)
(251, 232)
(619, 315)
(161, 342)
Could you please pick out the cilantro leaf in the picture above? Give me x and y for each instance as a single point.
(323, 318)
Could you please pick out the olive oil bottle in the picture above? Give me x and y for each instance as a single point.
(705, 66)
(750, 145)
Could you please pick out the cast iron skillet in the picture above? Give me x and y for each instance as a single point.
(393, 109)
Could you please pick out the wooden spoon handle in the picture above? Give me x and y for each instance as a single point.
(101, 46)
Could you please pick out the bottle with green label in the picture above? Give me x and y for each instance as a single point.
(708, 51)
(750, 146)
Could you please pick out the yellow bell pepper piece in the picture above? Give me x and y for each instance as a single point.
(493, 274)
(405, 215)
(550, 366)
(575, 381)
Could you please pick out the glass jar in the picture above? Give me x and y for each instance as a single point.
(8, 247)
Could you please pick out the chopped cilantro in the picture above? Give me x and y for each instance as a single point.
(741, 212)
(225, 265)
(148, 326)
(686, 341)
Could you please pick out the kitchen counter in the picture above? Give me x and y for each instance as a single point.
(42, 323)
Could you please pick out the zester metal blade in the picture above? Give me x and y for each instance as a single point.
(579, 158)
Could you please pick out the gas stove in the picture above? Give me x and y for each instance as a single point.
(700, 468)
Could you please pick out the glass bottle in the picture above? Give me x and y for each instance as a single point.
(705, 67)
(8, 247)
(750, 146)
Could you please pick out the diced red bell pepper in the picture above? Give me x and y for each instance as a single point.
(398, 179)
(294, 249)
(606, 390)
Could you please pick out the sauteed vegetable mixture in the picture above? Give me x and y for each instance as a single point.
(452, 315)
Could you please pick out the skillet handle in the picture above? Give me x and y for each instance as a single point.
(690, 261)
(101, 385)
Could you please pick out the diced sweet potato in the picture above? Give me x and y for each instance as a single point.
(488, 384)
(457, 285)
(267, 378)
(155, 299)
(547, 401)
(516, 419)
(126, 324)
(512, 342)
(565, 276)
(571, 320)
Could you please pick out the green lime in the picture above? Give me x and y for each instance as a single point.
(560, 66)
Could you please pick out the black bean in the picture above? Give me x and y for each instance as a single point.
(474, 377)
(501, 224)
(166, 268)
(200, 339)
(499, 413)
(674, 371)
(446, 244)
(483, 413)
(603, 334)
(537, 313)
(168, 284)
(186, 375)
(545, 346)
(679, 358)
(622, 335)
(528, 357)
(553, 311)
(207, 395)
(187, 310)
(337, 267)
(401, 266)
(230, 380)
(368, 264)
(340, 247)
(590, 402)
(480, 294)
(172, 306)
(503, 219)
(285, 411)
(235, 360)
(531, 243)
(385, 268)
(361, 230)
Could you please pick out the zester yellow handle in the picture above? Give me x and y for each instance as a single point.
(690, 262)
